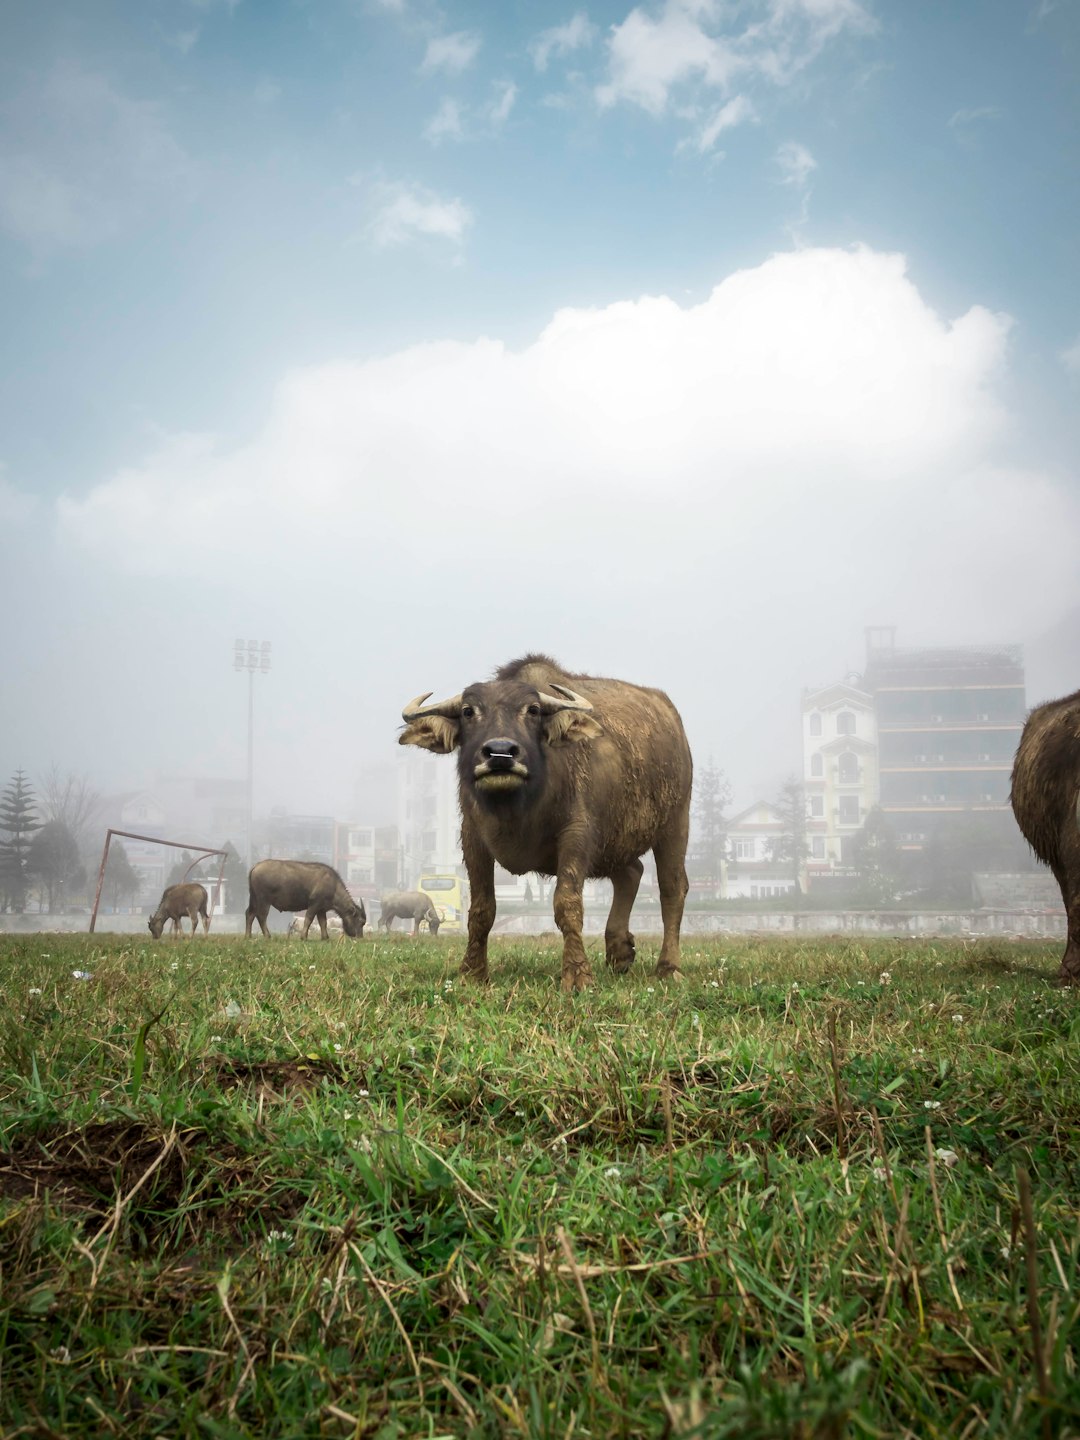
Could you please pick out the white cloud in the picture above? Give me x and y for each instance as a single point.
(451, 53)
(410, 212)
(498, 112)
(690, 45)
(445, 124)
(735, 112)
(648, 57)
(813, 432)
(79, 161)
(796, 163)
(968, 117)
(561, 40)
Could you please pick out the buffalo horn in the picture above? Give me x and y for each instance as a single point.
(416, 709)
(565, 699)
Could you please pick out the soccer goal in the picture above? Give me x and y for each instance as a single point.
(201, 852)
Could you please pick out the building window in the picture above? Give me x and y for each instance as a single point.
(816, 764)
(744, 849)
(817, 847)
(815, 724)
(848, 769)
(849, 809)
(845, 723)
(817, 806)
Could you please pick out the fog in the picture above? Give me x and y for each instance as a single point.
(712, 492)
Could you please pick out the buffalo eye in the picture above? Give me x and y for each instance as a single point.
(467, 712)
(533, 709)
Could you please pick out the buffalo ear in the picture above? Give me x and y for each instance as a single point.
(432, 732)
(570, 727)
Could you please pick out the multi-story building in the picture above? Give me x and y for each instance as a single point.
(948, 724)
(301, 837)
(368, 858)
(429, 825)
(839, 738)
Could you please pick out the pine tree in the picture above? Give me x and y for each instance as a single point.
(18, 821)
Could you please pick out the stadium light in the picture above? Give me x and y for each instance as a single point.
(254, 657)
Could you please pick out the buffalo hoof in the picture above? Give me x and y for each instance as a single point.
(577, 978)
(668, 972)
(620, 954)
(476, 975)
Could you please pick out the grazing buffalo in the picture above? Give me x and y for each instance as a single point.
(1046, 802)
(302, 885)
(571, 776)
(177, 900)
(411, 905)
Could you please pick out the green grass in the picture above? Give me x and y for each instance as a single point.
(279, 1190)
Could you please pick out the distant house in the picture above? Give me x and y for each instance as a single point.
(751, 873)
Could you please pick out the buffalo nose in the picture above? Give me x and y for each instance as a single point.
(501, 751)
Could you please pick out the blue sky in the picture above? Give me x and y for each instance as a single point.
(427, 258)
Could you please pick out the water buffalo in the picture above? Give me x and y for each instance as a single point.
(1046, 802)
(301, 885)
(571, 776)
(177, 900)
(411, 905)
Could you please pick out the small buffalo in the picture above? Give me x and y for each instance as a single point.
(1046, 802)
(302, 885)
(411, 905)
(569, 775)
(178, 900)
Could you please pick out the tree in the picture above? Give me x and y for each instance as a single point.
(18, 821)
(54, 859)
(963, 844)
(712, 796)
(178, 872)
(120, 880)
(876, 857)
(72, 799)
(235, 878)
(791, 846)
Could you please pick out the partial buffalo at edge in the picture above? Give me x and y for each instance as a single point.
(1046, 802)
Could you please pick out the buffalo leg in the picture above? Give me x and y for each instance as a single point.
(670, 855)
(1069, 974)
(323, 931)
(569, 917)
(251, 914)
(480, 865)
(618, 941)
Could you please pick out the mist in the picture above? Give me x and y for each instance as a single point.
(708, 476)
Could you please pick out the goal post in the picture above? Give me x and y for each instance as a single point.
(201, 852)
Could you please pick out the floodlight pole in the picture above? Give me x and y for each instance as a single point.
(252, 656)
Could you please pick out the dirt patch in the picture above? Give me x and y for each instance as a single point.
(167, 1182)
(275, 1080)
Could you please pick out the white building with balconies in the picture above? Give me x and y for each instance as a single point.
(840, 770)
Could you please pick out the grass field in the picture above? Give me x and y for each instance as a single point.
(274, 1189)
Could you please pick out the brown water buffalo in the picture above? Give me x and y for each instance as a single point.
(177, 900)
(571, 776)
(1046, 802)
(411, 905)
(302, 885)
